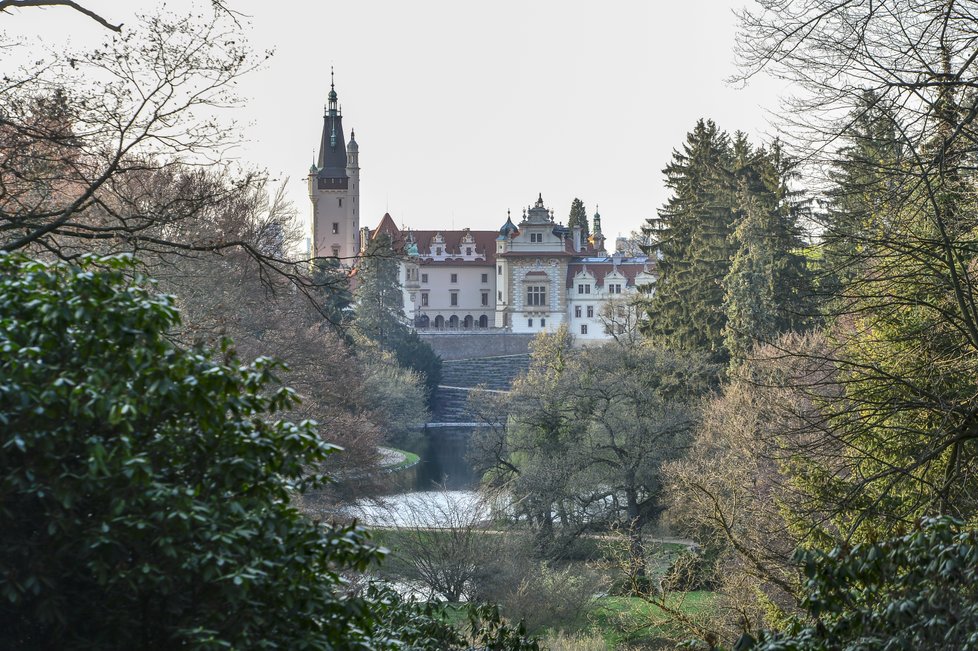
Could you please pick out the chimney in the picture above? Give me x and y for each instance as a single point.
(577, 239)
(364, 239)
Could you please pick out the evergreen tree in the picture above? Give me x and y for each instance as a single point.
(379, 313)
(863, 177)
(379, 301)
(768, 288)
(692, 235)
(331, 291)
(578, 217)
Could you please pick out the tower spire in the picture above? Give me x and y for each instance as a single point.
(332, 148)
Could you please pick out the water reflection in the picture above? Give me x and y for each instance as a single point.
(443, 463)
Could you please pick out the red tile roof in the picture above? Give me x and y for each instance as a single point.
(630, 270)
(484, 245)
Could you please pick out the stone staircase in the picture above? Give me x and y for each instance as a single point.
(471, 378)
(490, 372)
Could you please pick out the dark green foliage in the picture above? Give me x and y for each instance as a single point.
(331, 291)
(379, 302)
(866, 178)
(731, 271)
(578, 217)
(423, 625)
(416, 354)
(917, 591)
(768, 288)
(147, 489)
(380, 314)
(692, 233)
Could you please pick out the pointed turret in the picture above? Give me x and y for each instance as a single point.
(332, 147)
(597, 237)
(509, 228)
(334, 188)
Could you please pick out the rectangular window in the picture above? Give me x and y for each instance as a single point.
(424, 278)
(336, 251)
(499, 270)
(454, 278)
(529, 323)
(454, 300)
(577, 311)
(543, 323)
(468, 250)
(536, 295)
(485, 298)
(614, 289)
(336, 228)
(583, 289)
(341, 202)
(590, 311)
(424, 299)
(583, 328)
(499, 295)
(485, 278)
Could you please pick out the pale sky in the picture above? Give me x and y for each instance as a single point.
(463, 110)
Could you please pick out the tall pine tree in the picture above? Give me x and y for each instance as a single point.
(692, 237)
(380, 318)
(768, 287)
(578, 217)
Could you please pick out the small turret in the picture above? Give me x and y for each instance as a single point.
(597, 237)
(508, 229)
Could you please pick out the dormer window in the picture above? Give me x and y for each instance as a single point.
(536, 237)
(468, 250)
(584, 289)
(438, 250)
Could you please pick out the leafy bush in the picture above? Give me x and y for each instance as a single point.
(146, 489)
(916, 591)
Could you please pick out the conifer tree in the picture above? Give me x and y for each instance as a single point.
(692, 236)
(380, 313)
(379, 301)
(768, 288)
(578, 217)
(862, 176)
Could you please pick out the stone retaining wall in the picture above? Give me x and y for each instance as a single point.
(466, 345)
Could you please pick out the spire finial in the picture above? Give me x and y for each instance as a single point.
(332, 85)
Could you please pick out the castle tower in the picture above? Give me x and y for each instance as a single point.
(334, 189)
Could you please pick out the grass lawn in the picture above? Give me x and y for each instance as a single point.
(619, 621)
(630, 619)
(410, 459)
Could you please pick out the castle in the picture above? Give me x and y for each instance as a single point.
(522, 278)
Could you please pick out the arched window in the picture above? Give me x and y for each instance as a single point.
(439, 322)
(453, 321)
(483, 321)
(467, 322)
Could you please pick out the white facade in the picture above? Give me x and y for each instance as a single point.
(523, 279)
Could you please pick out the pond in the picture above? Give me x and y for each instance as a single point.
(437, 491)
(443, 464)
